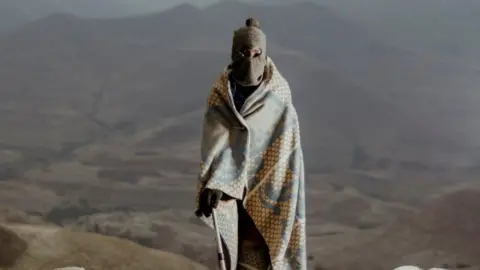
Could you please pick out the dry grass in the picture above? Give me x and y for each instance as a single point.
(173, 231)
(50, 248)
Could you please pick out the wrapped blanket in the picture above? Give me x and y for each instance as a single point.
(255, 156)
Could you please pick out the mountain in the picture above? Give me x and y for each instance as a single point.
(14, 13)
(89, 8)
(445, 28)
(81, 72)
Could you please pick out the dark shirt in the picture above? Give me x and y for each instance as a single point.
(241, 93)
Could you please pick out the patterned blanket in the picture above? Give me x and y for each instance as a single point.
(255, 155)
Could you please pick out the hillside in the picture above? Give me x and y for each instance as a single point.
(440, 235)
(45, 247)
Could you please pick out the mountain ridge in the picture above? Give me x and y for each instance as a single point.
(114, 46)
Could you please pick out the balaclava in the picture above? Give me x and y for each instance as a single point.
(249, 57)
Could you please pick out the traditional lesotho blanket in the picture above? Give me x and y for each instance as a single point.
(256, 155)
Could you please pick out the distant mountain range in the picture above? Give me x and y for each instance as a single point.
(16, 12)
(351, 89)
(441, 26)
(444, 27)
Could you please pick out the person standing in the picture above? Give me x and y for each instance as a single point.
(252, 168)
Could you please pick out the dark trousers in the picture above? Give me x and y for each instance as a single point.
(252, 250)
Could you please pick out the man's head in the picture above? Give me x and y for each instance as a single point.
(249, 57)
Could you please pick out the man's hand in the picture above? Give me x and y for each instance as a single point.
(209, 199)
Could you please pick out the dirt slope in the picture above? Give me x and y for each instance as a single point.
(442, 235)
(45, 248)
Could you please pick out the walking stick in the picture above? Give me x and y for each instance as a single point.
(221, 258)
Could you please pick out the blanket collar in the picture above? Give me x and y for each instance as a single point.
(274, 82)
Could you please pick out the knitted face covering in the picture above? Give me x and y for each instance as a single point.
(249, 57)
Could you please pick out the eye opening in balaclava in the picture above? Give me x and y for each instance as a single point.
(249, 57)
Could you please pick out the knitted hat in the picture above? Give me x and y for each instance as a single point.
(249, 58)
(250, 36)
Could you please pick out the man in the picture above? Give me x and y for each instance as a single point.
(252, 168)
